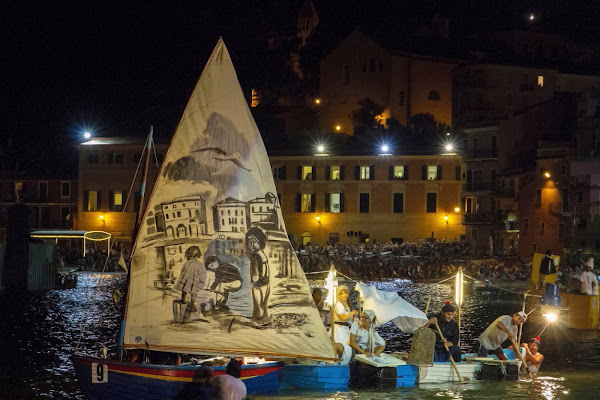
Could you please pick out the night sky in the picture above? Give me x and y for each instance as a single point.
(115, 69)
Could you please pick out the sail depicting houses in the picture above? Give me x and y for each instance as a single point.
(213, 271)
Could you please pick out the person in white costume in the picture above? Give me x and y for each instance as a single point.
(343, 316)
(589, 280)
(363, 337)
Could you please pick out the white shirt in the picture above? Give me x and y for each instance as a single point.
(362, 337)
(586, 278)
(493, 337)
(229, 387)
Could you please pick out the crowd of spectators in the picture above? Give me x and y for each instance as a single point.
(94, 259)
(425, 260)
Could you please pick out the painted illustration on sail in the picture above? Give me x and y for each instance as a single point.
(213, 271)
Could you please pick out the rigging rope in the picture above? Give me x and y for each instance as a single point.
(102, 274)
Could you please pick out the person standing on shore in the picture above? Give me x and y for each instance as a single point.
(504, 327)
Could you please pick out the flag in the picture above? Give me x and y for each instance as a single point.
(122, 262)
(388, 306)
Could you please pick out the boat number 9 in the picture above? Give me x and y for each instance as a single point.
(99, 373)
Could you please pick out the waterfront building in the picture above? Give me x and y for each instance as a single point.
(559, 201)
(110, 178)
(353, 199)
(52, 200)
(505, 111)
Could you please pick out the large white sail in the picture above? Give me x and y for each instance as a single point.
(213, 271)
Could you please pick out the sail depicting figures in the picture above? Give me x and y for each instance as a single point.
(213, 271)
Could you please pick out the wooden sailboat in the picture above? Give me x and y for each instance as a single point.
(212, 270)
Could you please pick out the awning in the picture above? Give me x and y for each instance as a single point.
(95, 236)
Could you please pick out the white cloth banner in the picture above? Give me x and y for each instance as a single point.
(388, 306)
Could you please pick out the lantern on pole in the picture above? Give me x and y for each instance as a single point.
(330, 284)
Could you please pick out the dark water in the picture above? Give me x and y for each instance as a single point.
(39, 331)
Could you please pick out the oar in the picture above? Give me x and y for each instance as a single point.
(517, 350)
(448, 350)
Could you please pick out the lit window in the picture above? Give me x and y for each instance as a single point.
(255, 99)
(307, 172)
(306, 205)
(432, 172)
(365, 172)
(118, 198)
(334, 203)
(540, 81)
(335, 172)
(399, 172)
(92, 200)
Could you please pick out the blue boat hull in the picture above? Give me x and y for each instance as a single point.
(105, 379)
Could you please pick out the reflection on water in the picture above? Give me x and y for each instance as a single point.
(39, 331)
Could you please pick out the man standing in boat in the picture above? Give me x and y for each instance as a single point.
(589, 280)
(504, 327)
(256, 241)
(547, 267)
(449, 328)
(191, 280)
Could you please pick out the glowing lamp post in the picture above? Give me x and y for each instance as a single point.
(330, 284)
(458, 285)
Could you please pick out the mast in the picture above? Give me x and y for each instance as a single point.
(144, 179)
(135, 232)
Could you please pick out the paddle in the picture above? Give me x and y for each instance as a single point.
(518, 351)
(460, 378)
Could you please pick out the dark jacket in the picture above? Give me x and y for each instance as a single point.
(449, 330)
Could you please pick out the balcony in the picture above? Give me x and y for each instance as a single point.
(476, 154)
(478, 218)
(479, 187)
(506, 192)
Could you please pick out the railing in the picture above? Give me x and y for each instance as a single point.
(505, 192)
(477, 217)
(481, 153)
(478, 186)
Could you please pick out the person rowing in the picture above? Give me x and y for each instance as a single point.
(449, 329)
(504, 327)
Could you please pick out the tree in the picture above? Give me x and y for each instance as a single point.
(364, 117)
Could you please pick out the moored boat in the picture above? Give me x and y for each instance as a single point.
(212, 270)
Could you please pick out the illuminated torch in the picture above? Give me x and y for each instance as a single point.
(458, 288)
(330, 284)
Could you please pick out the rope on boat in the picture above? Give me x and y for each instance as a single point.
(102, 273)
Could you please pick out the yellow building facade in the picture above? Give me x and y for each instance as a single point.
(351, 199)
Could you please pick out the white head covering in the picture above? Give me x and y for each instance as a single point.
(590, 262)
(371, 342)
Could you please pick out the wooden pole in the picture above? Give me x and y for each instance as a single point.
(517, 350)
(427, 306)
(448, 350)
(332, 316)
